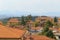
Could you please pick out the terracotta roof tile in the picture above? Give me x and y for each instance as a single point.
(35, 37)
(6, 32)
(13, 20)
(37, 28)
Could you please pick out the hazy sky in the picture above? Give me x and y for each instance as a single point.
(34, 7)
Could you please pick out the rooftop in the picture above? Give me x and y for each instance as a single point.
(7, 32)
(13, 20)
(37, 37)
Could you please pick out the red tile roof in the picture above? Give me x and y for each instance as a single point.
(36, 28)
(13, 20)
(6, 32)
(35, 37)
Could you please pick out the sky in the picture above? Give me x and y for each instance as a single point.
(33, 7)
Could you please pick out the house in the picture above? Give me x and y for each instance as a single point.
(8, 33)
(30, 23)
(38, 37)
(43, 20)
(38, 29)
(56, 32)
(13, 22)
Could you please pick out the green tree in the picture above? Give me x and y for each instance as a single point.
(36, 24)
(47, 32)
(55, 19)
(23, 22)
(45, 29)
(29, 17)
(48, 23)
(26, 19)
(55, 22)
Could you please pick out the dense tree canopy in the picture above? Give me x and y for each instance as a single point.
(29, 17)
(23, 22)
(47, 32)
(55, 19)
(48, 23)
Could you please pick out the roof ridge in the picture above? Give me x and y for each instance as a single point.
(5, 27)
(11, 32)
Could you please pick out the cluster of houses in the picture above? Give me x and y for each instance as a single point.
(9, 32)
